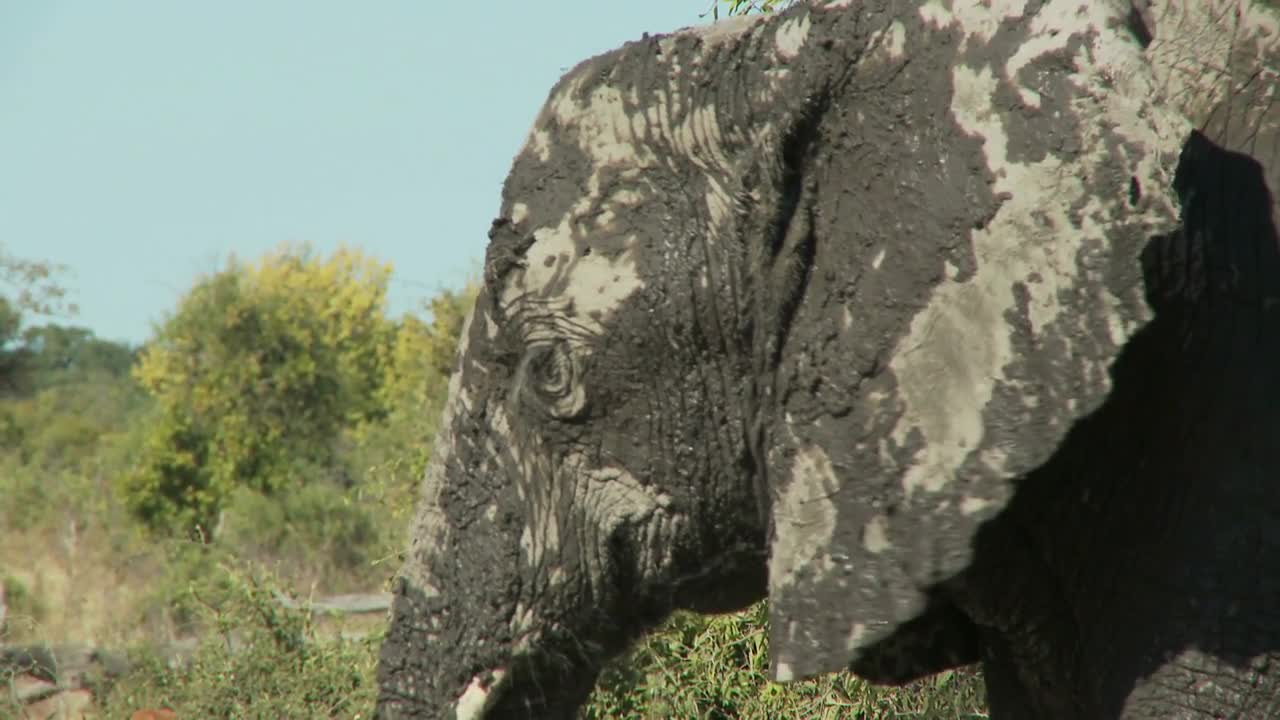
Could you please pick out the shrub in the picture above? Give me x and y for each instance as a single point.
(257, 659)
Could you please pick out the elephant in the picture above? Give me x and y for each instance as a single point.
(949, 327)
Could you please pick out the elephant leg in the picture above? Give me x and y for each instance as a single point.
(1007, 696)
(940, 639)
(1027, 630)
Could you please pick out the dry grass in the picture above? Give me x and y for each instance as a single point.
(81, 587)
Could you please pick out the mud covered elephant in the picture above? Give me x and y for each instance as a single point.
(953, 328)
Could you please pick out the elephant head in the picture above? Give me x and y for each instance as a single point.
(829, 307)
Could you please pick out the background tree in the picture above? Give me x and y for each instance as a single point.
(31, 286)
(61, 354)
(344, 532)
(254, 377)
(27, 288)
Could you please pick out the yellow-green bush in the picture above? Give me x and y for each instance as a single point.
(255, 377)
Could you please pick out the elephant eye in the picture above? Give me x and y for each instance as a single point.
(549, 379)
(551, 370)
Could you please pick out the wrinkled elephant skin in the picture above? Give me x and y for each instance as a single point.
(948, 326)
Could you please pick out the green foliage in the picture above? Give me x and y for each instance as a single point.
(423, 355)
(259, 659)
(716, 667)
(60, 447)
(192, 577)
(254, 377)
(745, 7)
(172, 487)
(33, 497)
(62, 424)
(289, 412)
(11, 358)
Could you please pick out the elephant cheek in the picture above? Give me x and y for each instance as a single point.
(615, 510)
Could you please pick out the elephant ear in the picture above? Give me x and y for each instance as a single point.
(977, 203)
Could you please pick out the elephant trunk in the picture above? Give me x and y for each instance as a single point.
(448, 641)
(449, 638)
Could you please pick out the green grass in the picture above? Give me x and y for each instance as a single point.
(715, 668)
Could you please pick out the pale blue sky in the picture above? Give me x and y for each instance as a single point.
(141, 142)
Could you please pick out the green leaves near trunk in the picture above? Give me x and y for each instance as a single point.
(716, 666)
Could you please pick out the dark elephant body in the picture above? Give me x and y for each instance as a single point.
(949, 327)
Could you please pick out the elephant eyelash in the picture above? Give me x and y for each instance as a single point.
(537, 317)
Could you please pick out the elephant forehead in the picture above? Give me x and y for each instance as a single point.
(592, 183)
(597, 121)
(562, 277)
(581, 263)
(791, 36)
(637, 128)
